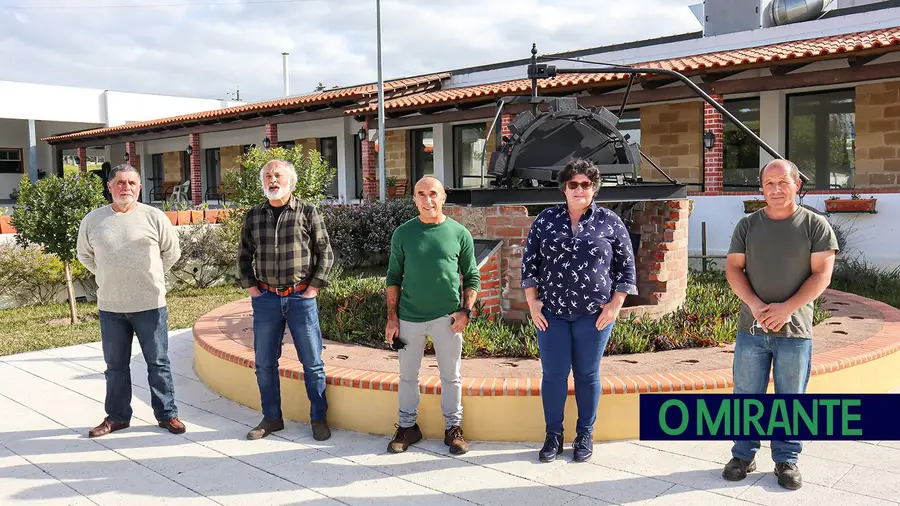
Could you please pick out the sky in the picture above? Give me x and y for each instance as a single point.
(211, 48)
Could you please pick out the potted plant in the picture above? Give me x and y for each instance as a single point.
(183, 209)
(753, 205)
(855, 204)
(197, 213)
(5, 224)
(170, 213)
(391, 184)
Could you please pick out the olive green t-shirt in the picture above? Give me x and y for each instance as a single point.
(777, 256)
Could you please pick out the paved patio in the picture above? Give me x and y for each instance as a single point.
(50, 399)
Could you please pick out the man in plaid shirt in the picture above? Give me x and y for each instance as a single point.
(283, 260)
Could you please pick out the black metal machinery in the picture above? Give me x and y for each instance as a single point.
(524, 169)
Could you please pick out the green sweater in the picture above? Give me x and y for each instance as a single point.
(426, 262)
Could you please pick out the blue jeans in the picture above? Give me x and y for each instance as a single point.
(117, 332)
(270, 314)
(789, 358)
(571, 343)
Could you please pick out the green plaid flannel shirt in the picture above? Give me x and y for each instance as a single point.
(293, 250)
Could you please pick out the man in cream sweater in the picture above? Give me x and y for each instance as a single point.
(129, 246)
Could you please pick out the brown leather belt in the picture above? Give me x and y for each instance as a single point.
(284, 292)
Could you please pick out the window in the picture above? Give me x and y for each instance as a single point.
(286, 144)
(328, 149)
(630, 124)
(468, 148)
(185, 167)
(821, 137)
(11, 161)
(740, 169)
(212, 168)
(422, 151)
(357, 160)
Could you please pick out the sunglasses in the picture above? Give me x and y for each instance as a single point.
(585, 185)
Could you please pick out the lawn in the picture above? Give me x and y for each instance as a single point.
(43, 327)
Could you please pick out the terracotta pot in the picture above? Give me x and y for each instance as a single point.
(211, 215)
(391, 192)
(753, 205)
(6, 225)
(184, 217)
(173, 217)
(850, 206)
(196, 216)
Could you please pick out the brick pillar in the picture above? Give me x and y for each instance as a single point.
(662, 258)
(272, 134)
(196, 178)
(713, 159)
(369, 168)
(82, 160)
(131, 150)
(489, 296)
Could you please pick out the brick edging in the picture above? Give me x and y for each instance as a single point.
(883, 342)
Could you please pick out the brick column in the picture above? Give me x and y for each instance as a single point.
(713, 159)
(82, 160)
(272, 134)
(369, 168)
(196, 178)
(131, 150)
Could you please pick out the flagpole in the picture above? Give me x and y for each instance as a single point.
(382, 176)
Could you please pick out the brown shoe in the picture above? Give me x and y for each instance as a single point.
(106, 427)
(265, 427)
(453, 437)
(320, 430)
(173, 425)
(404, 437)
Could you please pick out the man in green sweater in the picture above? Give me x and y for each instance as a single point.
(428, 255)
(129, 246)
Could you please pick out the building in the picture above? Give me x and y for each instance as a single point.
(825, 93)
(30, 112)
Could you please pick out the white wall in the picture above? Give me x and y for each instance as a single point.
(240, 137)
(876, 237)
(124, 108)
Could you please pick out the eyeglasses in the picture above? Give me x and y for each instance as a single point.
(585, 185)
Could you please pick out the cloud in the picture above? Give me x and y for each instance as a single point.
(202, 50)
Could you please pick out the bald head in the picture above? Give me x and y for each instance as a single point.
(430, 195)
(428, 183)
(780, 166)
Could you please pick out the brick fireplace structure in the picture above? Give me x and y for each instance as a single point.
(661, 258)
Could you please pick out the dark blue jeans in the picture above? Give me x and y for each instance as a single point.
(117, 332)
(789, 359)
(571, 343)
(271, 313)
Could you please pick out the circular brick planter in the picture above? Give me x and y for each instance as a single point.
(854, 351)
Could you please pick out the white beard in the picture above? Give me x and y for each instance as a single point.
(280, 194)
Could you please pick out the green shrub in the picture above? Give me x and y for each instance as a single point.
(31, 276)
(206, 259)
(361, 233)
(243, 188)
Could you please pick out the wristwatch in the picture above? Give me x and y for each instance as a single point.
(467, 311)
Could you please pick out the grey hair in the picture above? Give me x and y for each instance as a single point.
(122, 168)
(795, 171)
(292, 172)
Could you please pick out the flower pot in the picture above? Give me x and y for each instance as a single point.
(184, 217)
(196, 216)
(211, 215)
(850, 205)
(6, 225)
(173, 217)
(753, 205)
(391, 192)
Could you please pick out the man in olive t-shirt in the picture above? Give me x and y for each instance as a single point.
(780, 260)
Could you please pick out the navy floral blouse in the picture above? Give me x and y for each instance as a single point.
(577, 273)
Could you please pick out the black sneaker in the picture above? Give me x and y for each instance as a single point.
(736, 469)
(404, 437)
(788, 475)
(582, 447)
(553, 446)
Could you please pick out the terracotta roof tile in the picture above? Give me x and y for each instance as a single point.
(772, 53)
(359, 93)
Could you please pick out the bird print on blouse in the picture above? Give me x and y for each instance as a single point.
(576, 272)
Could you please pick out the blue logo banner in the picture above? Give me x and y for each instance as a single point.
(764, 417)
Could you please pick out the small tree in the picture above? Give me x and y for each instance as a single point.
(244, 189)
(49, 213)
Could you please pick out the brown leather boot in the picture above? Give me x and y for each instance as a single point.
(453, 437)
(320, 430)
(404, 437)
(265, 427)
(173, 425)
(107, 427)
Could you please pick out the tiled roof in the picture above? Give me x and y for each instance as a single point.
(356, 93)
(796, 50)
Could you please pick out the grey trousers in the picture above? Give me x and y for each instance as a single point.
(448, 350)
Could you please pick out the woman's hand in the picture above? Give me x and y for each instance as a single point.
(611, 310)
(535, 307)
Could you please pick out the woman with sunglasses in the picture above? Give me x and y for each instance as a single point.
(577, 268)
